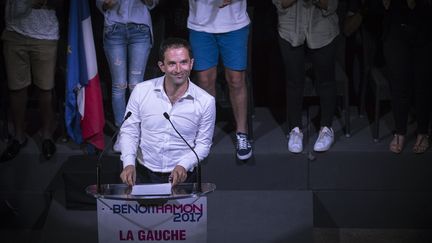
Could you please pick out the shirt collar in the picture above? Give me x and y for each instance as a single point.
(189, 94)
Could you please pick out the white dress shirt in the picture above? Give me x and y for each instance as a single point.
(149, 137)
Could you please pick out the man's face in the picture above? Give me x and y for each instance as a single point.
(177, 65)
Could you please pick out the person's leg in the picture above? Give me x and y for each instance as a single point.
(139, 45)
(17, 64)
(238, 97)
(294, 64)
(422, 93)
(397, 60)
(233, 48)
(206, 54)
(43, 56)
(422, 76)
(323, 64)
(207, 80)
(18, 105)
(116, 54)
(17, 60)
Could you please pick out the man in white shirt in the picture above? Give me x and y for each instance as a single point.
(148, 137)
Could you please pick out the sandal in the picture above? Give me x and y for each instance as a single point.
(397, 144)
(422, 144)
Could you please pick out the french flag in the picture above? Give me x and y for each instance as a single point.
(84, 114)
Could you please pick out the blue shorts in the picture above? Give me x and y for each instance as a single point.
(232, 47)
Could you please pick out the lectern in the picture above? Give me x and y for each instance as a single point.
(178, 216)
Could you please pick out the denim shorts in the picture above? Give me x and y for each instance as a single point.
(232, 46)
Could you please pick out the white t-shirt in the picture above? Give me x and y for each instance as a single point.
(207, 16)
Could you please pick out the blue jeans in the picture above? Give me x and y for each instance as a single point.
(127, 47)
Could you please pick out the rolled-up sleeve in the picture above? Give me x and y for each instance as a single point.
(204, 137)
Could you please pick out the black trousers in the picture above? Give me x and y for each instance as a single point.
(323, 63)
(409, 71)
(144, 175)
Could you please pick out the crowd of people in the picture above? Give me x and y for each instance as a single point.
(218, 29)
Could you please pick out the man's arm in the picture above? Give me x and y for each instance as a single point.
(19, 9)
(129, 138)
(203, 143)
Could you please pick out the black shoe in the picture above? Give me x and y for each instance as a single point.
(48, 148)
(12, 150)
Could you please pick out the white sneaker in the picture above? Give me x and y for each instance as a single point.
(295, 142)
(325, 140)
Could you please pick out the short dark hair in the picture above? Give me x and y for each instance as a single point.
(173, 42)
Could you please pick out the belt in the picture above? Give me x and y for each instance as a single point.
(142, 167)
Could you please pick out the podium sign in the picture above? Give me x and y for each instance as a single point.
(179, 220)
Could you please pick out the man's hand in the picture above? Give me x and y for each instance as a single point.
(147, 2)
(37, 4)
(225, 3)
(128, 175)
(386, 4)
(178, 175)
(287, 3)
(108, 4)
(411, 4)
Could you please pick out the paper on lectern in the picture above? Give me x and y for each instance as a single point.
(151, 189)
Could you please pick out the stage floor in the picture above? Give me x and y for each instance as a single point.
(356, 172)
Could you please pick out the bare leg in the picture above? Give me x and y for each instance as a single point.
(18, 100)
(47, 113)
(238, 96)
(207, 80)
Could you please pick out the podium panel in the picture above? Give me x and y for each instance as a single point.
(179, 216)
(152, 220)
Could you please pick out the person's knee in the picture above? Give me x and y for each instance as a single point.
(235, 79)
(207, 79)
(119, 89)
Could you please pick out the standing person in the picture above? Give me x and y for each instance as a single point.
(407, 52)
(127, 39)
(30, 50)
(148, 137)
(312, 26)
(221, 27)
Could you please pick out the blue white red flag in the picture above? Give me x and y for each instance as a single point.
(84, 114)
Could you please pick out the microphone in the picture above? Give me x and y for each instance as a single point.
(198, 189)
(99, 164)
